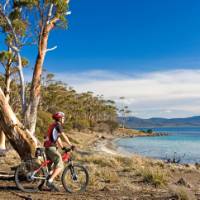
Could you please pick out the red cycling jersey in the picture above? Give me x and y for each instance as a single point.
(53, 134)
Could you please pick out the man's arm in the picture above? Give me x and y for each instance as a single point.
(61, 133)
(66, 139)
(59, 141)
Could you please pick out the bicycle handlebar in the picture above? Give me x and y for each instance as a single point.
(68, 149)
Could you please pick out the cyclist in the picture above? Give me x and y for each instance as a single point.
(51, 143)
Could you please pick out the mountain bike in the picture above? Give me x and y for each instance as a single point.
(30, 176)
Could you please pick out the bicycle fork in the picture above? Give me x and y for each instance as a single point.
(73, 173)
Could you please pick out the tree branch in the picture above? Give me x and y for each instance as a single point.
(6, 3)
(16, 49)
(51, 49)
(50, 13)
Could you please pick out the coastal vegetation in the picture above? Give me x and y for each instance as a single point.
(91, 120)
(84, 111)
(25, 23)
(112, 173)
(22, 105)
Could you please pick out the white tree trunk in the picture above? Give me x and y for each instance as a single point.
(7, 96)
(19, 137)
(2, 140)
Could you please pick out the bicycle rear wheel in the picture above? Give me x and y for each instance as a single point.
(75, 178)
(25, 178)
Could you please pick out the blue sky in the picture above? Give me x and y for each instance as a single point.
(130, 35)
(145, 50)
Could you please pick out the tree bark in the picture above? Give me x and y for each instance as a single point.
(20, 138)
(31, 112)
(7, 97)
(2, 140)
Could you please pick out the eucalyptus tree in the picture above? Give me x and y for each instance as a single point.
(9, 63)
(124, 111)
(49, 15)
(13, 27)
(42, 17)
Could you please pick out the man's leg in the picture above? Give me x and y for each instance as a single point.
(58, 164)
(56, 172)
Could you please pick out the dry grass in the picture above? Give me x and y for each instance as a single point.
(107, 175)
(94, 180)
(153, 176)
(101, 161)
(118, 171)
(182, 193)
(129, 132)
(125, 161)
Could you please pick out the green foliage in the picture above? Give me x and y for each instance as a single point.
(27, 3)
(112, 124)
(20, 26)
(43, 121)
(80, 124)
(8, 59)
(5, 56)
(27, 17)
(149, 131)
(83, 111)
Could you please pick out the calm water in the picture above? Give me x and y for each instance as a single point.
(184, 141)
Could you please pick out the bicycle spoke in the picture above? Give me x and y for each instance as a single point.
(25, 178)
(75, 179)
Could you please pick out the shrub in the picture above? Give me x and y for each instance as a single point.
(43, 121)
(81, 124)
(102, 161)
(149, 131)
(107, 175)
(94, 179)
(112, 125)
(152, 176)
(181, 194)
(125, 161)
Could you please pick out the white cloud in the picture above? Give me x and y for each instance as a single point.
(174, 93)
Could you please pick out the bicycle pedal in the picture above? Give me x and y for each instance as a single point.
(52, 187)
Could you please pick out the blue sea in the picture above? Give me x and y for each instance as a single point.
(181, 143)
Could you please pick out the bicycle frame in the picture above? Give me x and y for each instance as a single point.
(66, 157)
(30, 176)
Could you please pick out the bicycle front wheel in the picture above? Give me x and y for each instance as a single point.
(75, 178)
(26, 179)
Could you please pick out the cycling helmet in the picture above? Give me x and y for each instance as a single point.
(58, 115)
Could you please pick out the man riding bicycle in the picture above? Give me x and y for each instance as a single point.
(51, 143)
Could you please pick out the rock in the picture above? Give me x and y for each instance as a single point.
(107, 181)
(105, 189)
(3, 152)
(197, 165)
(183, 182)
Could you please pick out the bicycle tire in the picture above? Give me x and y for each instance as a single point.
(68, 171)
(21, 176)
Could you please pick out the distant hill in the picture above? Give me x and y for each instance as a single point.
(134, 122)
